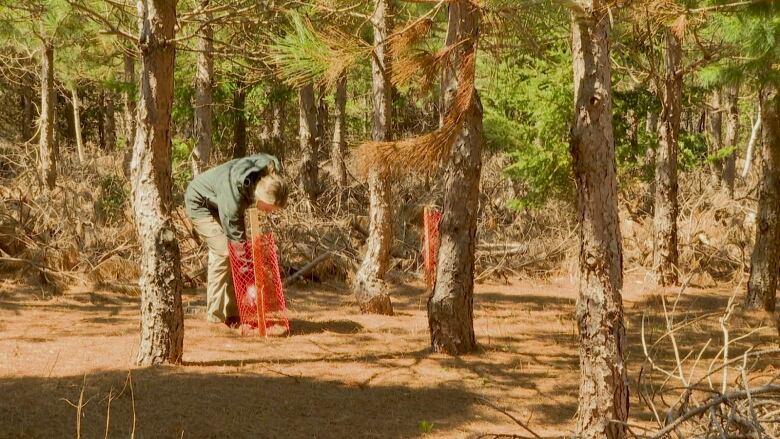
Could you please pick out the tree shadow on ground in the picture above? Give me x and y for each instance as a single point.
(305, 327)
(171, 402)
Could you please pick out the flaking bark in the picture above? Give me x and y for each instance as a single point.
(203, 95)
(162, 322)
(369, 282)
(450, 306)
(666, 207)
(762, 287)
(603, 395)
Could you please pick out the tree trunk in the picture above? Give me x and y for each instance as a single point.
(277, 128)
(27, 116)
(369, 286)
(203, 95)
(666, 208)
(47, 148)
(110, 120)
(450, 307)
(307, 132)
(339, 146)
(101, 124)
(77, 123)
(162, 323)
(732, 137)
(754, 134)
(128, 110)
(715, 136)
(603, 382)
(239, 125)
(323, 114)
(766, 253)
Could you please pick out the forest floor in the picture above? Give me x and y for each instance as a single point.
(340, 374)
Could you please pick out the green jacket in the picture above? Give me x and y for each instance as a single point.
(225, 192)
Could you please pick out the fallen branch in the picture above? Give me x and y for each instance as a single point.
(306, 268)
(731, 396)
(510, 416)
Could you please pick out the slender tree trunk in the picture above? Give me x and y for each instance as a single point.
(369, 282)
(754, 134)
(77, 123)
(665, 252)
(765, 261)
(101, 124)
(27, 116)
(451, 307)
(603, 383)
(651, 128)
(128, 110)
(239, 125)
(277, 128)
(732, 137)
(162, 322)
(323, 114)
(307, 132)
(110, 120)
(203, 95)
(339, 146)
(715, 136)
(47, 148)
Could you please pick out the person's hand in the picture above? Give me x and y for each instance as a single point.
(266, 207)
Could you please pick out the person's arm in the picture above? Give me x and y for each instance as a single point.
(231, 212)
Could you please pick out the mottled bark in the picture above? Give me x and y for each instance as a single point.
(162, 323)
(603, 396)
(732, 137)
(47, 148)
(666, 208)
(74, 93)
(203, 94)
(451, 307)
(239, 121)
(307, 135)
(128, 111)
(369, 283)
(765, 261)
(339, 144)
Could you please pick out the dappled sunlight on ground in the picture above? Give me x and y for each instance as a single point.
(338, 374)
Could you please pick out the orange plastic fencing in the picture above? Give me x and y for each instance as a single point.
(258, 284)
(430, 250)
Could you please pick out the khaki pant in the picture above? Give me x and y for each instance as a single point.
(220, 295)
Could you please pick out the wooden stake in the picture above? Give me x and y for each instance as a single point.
(258, 249)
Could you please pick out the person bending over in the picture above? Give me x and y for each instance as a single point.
(215, 202)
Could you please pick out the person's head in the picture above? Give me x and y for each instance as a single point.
(270, 191)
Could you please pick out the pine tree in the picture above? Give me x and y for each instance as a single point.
(162, 319)
(603, 381)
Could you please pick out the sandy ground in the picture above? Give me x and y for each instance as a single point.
(340, 374)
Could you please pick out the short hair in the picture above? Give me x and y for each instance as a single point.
(271, 189)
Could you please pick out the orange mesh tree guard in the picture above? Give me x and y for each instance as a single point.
(430, 250)
(257, 280)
